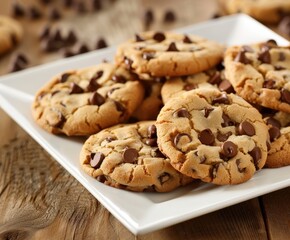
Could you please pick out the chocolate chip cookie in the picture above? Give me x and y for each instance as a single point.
(168, 54)
(127, 157)
(10, 33)
(260, 73)
(84, 102)
(263, 10)
(213, 136)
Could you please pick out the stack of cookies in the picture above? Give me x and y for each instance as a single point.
(175, 108)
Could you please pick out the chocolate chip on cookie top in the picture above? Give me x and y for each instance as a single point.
(127, 156)
(84, 102)
(260, 73)
(213, 136)
(168, 54)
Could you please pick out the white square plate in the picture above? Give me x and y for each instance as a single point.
(142, 212)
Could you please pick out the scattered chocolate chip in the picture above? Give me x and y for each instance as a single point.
(186, 39)
(181, 136)
(54, 14)
(80, 7)
(16, 66)
(274, 122)
(222, 99)
(110, 92)
(284, 26)
(214, 170)
(215, 16)
(271, 43)
(215, 78)
(227, 121)
(160, 79)
(128, 63)
(152, 131)
(17, 10)
(96, 159)
(164, 177)
(119, 78)
(44, 32)
(247, 48)
(93, 85)
(223, 137)
(264, 56)
(181, 113)
(101, 43)
(71, 38)
(242, 58)
(274, 133)
(34, 13)
(22, 59)
(285, 95)
(278, 68)
(97, 99)
(158, 154)
(256, 154)
(75, 89)
(169, 16)
(110, 139)
(159, 36)
(83, 49)
(68, 53)
(101, 178)
(120, 107)
(190, 86)
(206, 137)
(282, 57)
(148, 55)
(152, 142)
(97, 5)
(220, 66)
(172, 48)
(59, 121)
(64, 77)
(226, 86)
(148, 18)
(57, 36)
(269, 83)
(246, 128)
(46, 2)
(138, 38)
(268, 146)
(229, 149)
(241, 170)
(68, 3)
(130, 155)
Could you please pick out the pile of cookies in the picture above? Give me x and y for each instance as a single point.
(174, 108)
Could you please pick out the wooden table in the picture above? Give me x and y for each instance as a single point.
(41, 200)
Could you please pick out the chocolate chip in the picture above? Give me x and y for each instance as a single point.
(97, 99)
(246, 128)
(138, 38)
(278, 68)
(227, 121)
(17, 10)
(54, 14)
(269, 83)
(169, 16)
(110, 139)
(34, 13)
(158, 154)
(247, 48)
(101, 178)
(271, 43)
(101, 43)
(164, 177)
(45, 32)
(96, 159)
(16, 66)
(222, 99)
(128, 63)
(207, 111)
(256, 154)
(64, 77)
(68, 3)
(181, 136)
(59, 121)
(282, 57)
(285, 95)
(68, 53)
(215, 78)
(81, 7)
(57, 36)
(186, 39)
(190, 86)
(110, 92)
(119, 78)
(130, 155)
(284, 26)
(83, 49)
(274, 133)
(242, 58)
(119, 107)
(223, 137)
(241, 170)
(46, 2)
(181, 113)
(206, 137)
(229, 149)
(148, 18)
(274, 122)
(226, 86)
(264, 56)
(152, 142)
(172, 47)
(268, 146)
(97, 5)
(19, 62)
(159, 36)
(22, 59)
(75, 89)
(214, 170)
(71, 38)
(148, 55)
(152, 131)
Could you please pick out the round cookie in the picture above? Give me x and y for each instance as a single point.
(126, 156)
(269, 11)
(168, 54)
(85, 101)
(213, 136)
(10, 33)
(260, 73)
(279, 132)
(213, 78)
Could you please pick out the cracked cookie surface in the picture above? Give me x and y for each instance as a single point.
(126, 156)
(213, 136)
(86, 101)
(260, 73)
(168, 54)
